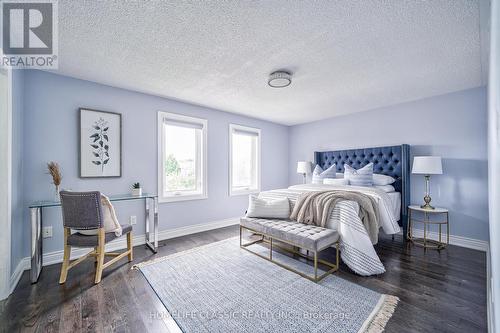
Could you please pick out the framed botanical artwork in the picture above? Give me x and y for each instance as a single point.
(100, 144)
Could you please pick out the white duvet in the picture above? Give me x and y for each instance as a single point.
(357, 251)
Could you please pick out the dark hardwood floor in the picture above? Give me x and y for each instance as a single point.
(439, 292)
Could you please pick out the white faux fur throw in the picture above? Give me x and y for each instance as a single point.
(111, 223)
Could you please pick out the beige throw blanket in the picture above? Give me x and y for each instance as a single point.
(316, 208)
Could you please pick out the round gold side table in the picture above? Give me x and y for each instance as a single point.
(425, 242)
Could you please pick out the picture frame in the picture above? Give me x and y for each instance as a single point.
(100, 144)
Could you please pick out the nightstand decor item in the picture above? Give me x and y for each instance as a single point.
(427, 166)
(425, 242)
(304, 168)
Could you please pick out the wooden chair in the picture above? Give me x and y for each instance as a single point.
(82, 211)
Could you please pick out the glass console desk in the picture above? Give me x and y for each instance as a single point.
(36, 213)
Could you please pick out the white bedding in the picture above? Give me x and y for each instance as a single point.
(388, 220)
(396, 203)
(357, 251)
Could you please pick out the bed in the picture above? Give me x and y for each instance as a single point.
(357, 249)
(392, 161)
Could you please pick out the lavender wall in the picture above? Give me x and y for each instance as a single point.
(19, 229)
(51, 134)
(453, 126)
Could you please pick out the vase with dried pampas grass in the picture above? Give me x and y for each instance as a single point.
(55, 172)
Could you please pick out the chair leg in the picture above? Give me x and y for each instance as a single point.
(130, 249)
(100, 256)
(67, 254)
(65, 264)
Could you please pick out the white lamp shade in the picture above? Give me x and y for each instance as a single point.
(427, 165)
(304, 167)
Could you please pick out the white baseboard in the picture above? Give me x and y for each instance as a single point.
(23, 265)
(55, 257)
(193, 229)
(471, 243)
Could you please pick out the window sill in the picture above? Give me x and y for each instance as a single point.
(243, 192)
(182, 198)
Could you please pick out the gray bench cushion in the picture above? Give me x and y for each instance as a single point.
(306, 236)
(80, 240)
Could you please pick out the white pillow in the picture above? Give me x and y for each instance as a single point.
(335, 181)
(379, 179)
(318, 174)
(359, 177)
(277, 209)
(339, 175)
(385, 188)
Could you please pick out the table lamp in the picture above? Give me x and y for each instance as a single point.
(427, 166)
(304, 168)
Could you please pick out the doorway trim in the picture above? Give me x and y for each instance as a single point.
(5, 223)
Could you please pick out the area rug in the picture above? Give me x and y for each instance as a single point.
(222, 288)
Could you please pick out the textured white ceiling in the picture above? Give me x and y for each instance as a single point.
(346, 56)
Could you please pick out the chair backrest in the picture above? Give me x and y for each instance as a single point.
(81, 210)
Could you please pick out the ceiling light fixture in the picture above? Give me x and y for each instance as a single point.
(280, 79)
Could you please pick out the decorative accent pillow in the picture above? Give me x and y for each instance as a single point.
(335, 181)
(360, 177)
(277, 209)
(385, 188)
(110, 221)
(318, 174)
(379, 179)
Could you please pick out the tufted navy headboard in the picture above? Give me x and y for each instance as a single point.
(393, 161)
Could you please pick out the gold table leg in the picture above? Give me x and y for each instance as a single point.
(426, 242)
(440, 233)
(409, 224)
(271, 249)
(315, 265)
(447, 229)
(425, 230)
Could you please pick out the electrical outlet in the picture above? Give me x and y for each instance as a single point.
(47, 232)
(133, 219)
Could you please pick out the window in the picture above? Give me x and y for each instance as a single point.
(182, 157)
(244, 160)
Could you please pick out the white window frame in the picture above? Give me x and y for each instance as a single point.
(162, 116)
(232, 128)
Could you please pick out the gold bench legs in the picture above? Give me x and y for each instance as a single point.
(315, 259)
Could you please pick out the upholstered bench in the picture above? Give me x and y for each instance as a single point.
(303, 236)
